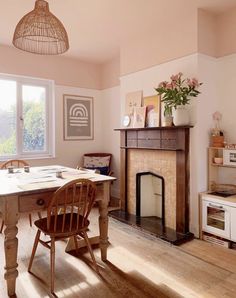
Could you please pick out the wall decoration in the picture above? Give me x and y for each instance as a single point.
(153, 116)
(139, 117)
(132, 100)
(229, 157)
(126, 121)
(78, 117)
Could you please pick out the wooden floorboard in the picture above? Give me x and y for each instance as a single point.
(138, 266)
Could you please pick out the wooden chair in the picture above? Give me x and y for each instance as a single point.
(98, 156)
(17, 163)
(77, 198)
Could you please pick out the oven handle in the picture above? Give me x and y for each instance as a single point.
(216, 206)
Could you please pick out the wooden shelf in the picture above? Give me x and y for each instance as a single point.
(218, 148)
(146, 148)
(153, 128)
(222, 165)
(216, 218)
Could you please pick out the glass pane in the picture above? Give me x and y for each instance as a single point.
(216, 218)
(7, 118)
(34, 115)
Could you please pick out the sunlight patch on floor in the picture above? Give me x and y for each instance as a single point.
(26, 283)
(153, 273)
(89, 273)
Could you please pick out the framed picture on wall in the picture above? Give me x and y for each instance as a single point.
(78, 117)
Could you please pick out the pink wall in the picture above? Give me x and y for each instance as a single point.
(65, 71)
(207, 33)
(217, 33)
(110, 73)
(226, 33)
(193, 31)
(175, 39)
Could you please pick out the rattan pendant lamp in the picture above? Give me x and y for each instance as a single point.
(40, 32)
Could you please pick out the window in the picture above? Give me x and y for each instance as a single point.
(26, 126)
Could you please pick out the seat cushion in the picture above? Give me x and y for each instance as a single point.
(100, 170)
(41, 224)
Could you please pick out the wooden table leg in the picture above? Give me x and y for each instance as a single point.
(11, 243)
(103, 220)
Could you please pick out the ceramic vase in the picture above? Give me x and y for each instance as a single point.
(181, 116)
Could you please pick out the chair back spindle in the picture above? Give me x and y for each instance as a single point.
(70, 206)
(18, 163)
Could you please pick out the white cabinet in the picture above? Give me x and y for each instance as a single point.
(233, 224)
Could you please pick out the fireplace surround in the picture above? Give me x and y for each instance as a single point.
(163, 151)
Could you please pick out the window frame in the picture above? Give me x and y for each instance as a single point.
(49, 86)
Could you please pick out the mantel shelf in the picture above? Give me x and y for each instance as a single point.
(146, 148)
(154, 128)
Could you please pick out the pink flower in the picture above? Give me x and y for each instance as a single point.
(177, 77)
(195, 82)
(174, 85)
(169, 86)
(217, 116)
(189, 83)
(163, 84)
(174, 78)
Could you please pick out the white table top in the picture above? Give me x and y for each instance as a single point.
(42, 178)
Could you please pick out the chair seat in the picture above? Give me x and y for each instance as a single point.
(41, 224)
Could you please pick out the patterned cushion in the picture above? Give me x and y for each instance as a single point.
(97, 162)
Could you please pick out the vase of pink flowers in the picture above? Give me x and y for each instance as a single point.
(176, 95)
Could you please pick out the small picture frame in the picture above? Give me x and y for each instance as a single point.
(78, 117)
(153, 114)
(229, 157)
(126, 121)
(132, 100)
(139, 117)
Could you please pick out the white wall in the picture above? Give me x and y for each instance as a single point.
(110, 119)
(148, 79)
(69, 153)
(227, 95)
(201, 109)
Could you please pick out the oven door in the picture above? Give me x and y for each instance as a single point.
(216, 219)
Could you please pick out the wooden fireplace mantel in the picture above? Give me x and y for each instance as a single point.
(174, 138)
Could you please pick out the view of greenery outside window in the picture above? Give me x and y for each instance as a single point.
(34, 118)
(7, 117)
(24, 112)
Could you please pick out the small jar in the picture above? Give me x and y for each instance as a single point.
(59, 174)
(10, 169)
(26, 169)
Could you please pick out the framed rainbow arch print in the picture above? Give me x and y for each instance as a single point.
(78, 117)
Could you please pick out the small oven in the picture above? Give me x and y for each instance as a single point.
(216, 218)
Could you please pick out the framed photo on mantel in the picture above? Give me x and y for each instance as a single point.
(133, 100)
(153, 117)
(78, 117)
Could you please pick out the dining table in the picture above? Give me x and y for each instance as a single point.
(28, 191)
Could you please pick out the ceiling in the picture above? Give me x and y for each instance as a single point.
(97, 28)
